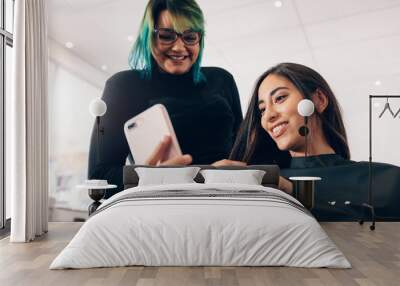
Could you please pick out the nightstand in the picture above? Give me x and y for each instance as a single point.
(96, 193)
(304, 188)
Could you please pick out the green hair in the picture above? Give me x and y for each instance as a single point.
(185, 13)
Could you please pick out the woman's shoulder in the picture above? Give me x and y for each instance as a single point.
(212, 72)
(380, 165)
(128, 76)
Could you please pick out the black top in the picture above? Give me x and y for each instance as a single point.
(205, 116)
(345, 180)
(325, 160)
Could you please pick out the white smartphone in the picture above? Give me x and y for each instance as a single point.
(146, 130)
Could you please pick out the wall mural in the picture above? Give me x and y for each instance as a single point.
(168, 106)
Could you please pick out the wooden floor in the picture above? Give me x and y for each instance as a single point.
(375, 257)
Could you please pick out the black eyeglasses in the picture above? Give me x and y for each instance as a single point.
(169, 36)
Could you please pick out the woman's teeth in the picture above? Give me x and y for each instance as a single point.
(177, 58)
(279, 130)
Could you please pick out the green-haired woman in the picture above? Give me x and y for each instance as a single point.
(203, 102)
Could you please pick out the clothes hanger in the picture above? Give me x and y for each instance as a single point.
(397, 113)
(387, 107)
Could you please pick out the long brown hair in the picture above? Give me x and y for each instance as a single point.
(255, 146)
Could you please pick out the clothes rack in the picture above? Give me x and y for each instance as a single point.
(369, 205)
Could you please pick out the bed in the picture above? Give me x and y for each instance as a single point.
(201, 224)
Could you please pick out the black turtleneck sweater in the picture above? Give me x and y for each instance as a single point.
(205, 116)
(345, 180)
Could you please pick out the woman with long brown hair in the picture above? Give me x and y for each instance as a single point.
(270, 134)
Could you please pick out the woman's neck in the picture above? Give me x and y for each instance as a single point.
(316, 145)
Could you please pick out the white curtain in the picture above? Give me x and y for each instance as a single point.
(28, 157)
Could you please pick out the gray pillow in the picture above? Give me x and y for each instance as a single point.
(163, 176)
(248, 177)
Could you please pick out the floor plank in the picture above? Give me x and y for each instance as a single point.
(375, 257)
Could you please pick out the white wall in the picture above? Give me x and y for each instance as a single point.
(70, 121)
(71, 88)
(385, 135)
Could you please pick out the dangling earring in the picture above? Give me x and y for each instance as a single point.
(305, 108)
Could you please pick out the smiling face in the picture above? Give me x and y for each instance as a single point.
(278, 99)
(176, 58)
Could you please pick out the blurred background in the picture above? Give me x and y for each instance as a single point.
(354, 44)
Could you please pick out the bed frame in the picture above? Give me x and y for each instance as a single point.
(270, 179)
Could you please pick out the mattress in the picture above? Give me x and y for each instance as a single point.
(201, 225)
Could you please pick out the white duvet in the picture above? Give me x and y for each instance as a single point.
(200, 231)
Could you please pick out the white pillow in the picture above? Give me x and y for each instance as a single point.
(164, 176)
(248, 177)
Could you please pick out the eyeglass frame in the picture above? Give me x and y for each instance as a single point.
(178, 35)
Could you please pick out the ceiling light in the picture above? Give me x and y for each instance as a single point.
(104, 67)
(278, 4)
(69, 45)
(130, 39)
(378, 83)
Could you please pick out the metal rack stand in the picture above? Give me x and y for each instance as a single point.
(369, 204)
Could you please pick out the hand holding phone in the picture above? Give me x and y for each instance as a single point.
(145, 131)
(159, 154)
